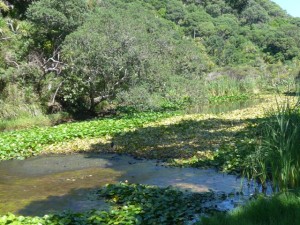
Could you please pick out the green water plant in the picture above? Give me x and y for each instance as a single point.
(130, 204)
(157, 205)
(29, 142)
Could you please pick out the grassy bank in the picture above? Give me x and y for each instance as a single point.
(33, 121)
(281, 209)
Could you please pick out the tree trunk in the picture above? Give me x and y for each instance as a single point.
(92, 99)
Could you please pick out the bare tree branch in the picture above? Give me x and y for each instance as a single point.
(55, 93)
(111, 92)
(14, 62)
(52, 64)
(10, 23)
(9, 58)
(5, 38)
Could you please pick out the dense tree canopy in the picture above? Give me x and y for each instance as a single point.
(79, 53)
(118, 48)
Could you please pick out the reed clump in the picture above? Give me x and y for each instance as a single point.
(280, 209)
(277, 155)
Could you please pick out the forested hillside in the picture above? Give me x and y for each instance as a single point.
(82, 56)
(150, 67)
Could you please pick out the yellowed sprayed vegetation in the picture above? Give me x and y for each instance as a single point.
(178, 138)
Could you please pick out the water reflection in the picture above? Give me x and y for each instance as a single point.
(42, 185)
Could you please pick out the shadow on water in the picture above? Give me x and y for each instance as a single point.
(27, 191)
(45, 184)
(76, 200)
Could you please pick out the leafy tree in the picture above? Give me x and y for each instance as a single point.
(175, 11)
(239, 5)
(52, 21)
(282, 48)
(55, 19)
(214, 10)
(107, 59)
(217, 8)
(254, 13)
(198, 23)
(127, 48)
(14, 44)
(272, 8)
(226, 25)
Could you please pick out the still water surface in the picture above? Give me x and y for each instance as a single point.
(47, 184)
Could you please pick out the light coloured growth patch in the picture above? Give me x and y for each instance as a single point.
(77, 145)
(177, 137)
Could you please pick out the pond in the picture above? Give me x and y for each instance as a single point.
(47, 184)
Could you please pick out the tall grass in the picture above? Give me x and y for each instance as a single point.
(24, 122)
(282, 209)
(20, 108)
(33, 121)
(227, 88)
(18, 102)
(277, 157)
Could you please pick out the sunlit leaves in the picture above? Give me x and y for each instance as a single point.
(25, 143)
(3, 6)
(57, 16)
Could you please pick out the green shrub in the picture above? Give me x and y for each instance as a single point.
(176, 93)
